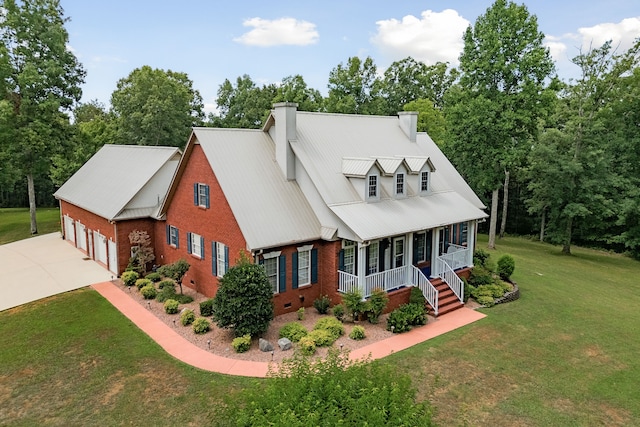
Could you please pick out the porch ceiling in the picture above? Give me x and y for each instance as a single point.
(392, 217)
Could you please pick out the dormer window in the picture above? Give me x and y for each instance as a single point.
(424, 181)
(399, 184)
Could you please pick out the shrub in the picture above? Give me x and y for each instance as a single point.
(171, 306)
(321, 337)
(154, 277)
(338, 311)
(206, 308)
(354, 304)
(417, 297)
(307, 346)
(416, 314)
(357, 333)
(377, 303)
(480, 276)
(485, 300)
(506, 286)
(301, 313)
(480, 257)
(166, 294)
(167, 284)
(494, 291)
(141, 283)
(149, 291)
(241, 344)
(129, 278)
(406, 316)
(293, 330)
(506, 266)
(331, 324)
(183, 299)
(322, 304)
(467, 290)
(187, 317)
(397, 322)
(201, 325)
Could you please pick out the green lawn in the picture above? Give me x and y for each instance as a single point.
(15, 223)
(565, 354)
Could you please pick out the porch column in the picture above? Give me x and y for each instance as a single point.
(362, 268)
(435, 249)
(471, 242)
(408, 258)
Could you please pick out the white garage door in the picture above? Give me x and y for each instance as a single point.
(113, 257)
(69, 232)
(81, 236)
(100, 247)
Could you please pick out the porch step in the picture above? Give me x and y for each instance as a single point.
(447, 300)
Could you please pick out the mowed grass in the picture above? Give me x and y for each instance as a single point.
(564, 354)
(15, 223)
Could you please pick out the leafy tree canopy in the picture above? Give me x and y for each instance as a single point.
(244, 105)
(354, 88)
(295, 89)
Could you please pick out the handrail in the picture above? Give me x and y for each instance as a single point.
(447, 274)
(428, 290)
(458, 258)
(347, 282)
(386, 280)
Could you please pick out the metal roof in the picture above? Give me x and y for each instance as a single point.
(270, 210)
(110, 179)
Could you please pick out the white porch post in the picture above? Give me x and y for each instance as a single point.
(471, 242)
(362, 268)
(435, 249)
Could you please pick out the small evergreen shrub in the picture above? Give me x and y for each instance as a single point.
(357, 333)
(493, 291)
(480, 276)
(467, 290)
(183, 299)
(354, 304)
(506, 266)
(398, 322)
(206, 308)
(201, 325)
(301, 313)
(322, 304)
(416, 314)
(480, 257)
(166, 284)
(149, 291)
(154, 277)
(485, 300)
(241, 344)
(129, 278)
(321, 337)
(141, 283)
(406, 316)
(187, 317)
(171, 306)
(332, 325)
(307, 346)
(293, 330)
(377, 303)
(338, 311)
(416, 296)
(506, 286)
(166, 294)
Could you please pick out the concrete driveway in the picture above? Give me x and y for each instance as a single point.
(42, 266)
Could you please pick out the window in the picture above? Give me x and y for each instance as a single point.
(424, 181)
(304, 267)
(420, 246)
(195, 245)
(173, 236)
(271, 267)
(221, 260)
(373, 258)
(373, 186)
(201, 195)
(399, 184)
(276, 268)
(398, 252)
(349, 256)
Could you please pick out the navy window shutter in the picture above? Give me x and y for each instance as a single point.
(177, 238)
(282, 270)
(294, 270)
(206, 189)
(341, 260)
(195, 194)
(168, 234)
(214, 258)
(189, 243)
(314, 265)
(226, 258)
(201, 247)
(415, 248)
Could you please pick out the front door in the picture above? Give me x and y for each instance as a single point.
(398, 252)
(113, 256)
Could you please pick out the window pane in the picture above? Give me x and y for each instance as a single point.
(304, 267)
(220, 257)
(424, 181)
(400, 183)
(373, 186)
(271, 267)
(373, 258)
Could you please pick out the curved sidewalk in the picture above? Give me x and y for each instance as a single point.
(183, 350)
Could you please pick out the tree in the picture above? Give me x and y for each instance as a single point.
(244, 299)
(503, 93)
(295, 89)
(41, 80)
(355, 88)
(430, 119)
(156, 107)
(141, 250)
(175, 271)
(244, 106)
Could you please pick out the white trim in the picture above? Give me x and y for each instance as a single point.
(270, 255)
(305, 248)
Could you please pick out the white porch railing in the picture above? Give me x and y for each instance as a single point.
(386, 280)
(447, 274)
(347, 282)
(428, 290)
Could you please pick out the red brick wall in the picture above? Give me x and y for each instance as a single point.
(124, 246)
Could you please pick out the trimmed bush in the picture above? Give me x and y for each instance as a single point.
(485, 300)
(241, 344)
(166, 294)
(332, 325)
(417, 297)
(301, 313)
(338, 311)
(154, 277)
(129, 278)
(377, 303)
(149, 291)
(416, 314)
(398, 322)
(321, 337)
(293, 330)
(480, 276)
(201, 325)
(187, 317)
(493, 291)
(357, 333)
(506, 266)
(480, 257)
(354, 304)
(307, 346)
(322, 304)
(206, 308)
(141, 283)
(167, 284)
(506, 286)
(171, 306)
(467, 290)
(183, 299)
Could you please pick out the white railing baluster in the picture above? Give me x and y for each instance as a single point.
(428, 290)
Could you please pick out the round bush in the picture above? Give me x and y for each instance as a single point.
(129, 278)
(357, 333)
(241, 344)
(293, 330)
(149, 291)
(201, 325)
(338, 311)
(141, 283)
(506, 266)
(485, 300)
(321, 337)
(307, 346)
(187, 317)
(171, 306)
(322, 304)
(166, 284)
(154, 277)
(331, 324)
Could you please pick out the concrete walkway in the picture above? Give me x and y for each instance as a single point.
(42, 266)
(184, 350)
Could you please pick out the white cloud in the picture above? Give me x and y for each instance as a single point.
(435, 36)
(283, 31)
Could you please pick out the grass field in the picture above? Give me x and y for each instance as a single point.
(564, 354)
(15, 223)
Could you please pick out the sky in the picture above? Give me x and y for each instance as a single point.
(212, 41)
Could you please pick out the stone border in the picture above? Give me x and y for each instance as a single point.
(509, 296)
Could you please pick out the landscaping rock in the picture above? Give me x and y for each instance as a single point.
(265, 345)
(284, 343)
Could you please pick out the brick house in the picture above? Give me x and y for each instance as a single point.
(327, 203)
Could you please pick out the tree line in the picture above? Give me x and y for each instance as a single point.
(552, 158)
